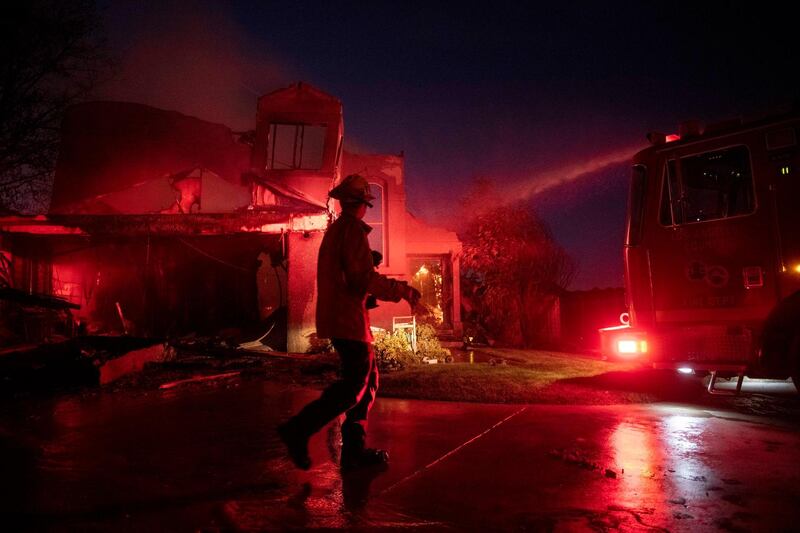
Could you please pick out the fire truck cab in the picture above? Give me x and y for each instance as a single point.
(712, 251)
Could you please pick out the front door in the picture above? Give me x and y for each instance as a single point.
(432, 277)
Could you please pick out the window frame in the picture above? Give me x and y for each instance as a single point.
(630, 238)
(298, 142)
(665, 187)
(380, 226)
(678, 158)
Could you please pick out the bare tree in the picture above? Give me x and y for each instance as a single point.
(512, 269)
(52, 56)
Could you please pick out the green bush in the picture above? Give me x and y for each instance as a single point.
(393, 350)
(428, 344)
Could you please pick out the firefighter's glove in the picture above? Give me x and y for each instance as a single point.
(412, 296)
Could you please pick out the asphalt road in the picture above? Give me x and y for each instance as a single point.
(204, 457)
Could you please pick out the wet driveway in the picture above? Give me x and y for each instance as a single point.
(205, 458)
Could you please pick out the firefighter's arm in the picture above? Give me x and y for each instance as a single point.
(360, 274)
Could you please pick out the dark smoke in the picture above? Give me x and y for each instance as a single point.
(192, 58)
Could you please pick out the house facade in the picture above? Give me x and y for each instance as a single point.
(163, 224)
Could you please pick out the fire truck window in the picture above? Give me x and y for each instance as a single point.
(668, 188)
(295, 146)
(636, 204)
(716, 185)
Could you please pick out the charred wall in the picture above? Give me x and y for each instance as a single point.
(164, 285)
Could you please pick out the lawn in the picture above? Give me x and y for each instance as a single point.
(496, 376)
(528, 376)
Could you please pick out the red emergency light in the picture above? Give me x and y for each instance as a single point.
(657, 138)
(623, 342)
(631, 347)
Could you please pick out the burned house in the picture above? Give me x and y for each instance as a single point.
(163, 224)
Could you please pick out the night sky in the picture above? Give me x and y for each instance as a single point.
(547, 100)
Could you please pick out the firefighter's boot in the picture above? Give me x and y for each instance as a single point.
(296, 442)
(355, 454)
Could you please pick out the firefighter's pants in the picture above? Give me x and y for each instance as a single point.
(354, 393)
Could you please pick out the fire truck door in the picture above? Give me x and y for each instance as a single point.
(710, 260)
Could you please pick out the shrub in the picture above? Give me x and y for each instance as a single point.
(512, 269)
(428, 344)
(393, 350)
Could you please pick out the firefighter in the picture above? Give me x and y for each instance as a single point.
(345, 276)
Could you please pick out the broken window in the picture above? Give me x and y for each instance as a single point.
(709, 186)
(375, 218)
(295, 146)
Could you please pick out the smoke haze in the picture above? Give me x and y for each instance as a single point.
(196, 60)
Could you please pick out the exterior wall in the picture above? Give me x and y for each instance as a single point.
(302, 295)
(387, 171)
(405, 236)
(300, 103)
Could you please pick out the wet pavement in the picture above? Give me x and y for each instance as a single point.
(205, 458)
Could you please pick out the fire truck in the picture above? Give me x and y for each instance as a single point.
(712, 252)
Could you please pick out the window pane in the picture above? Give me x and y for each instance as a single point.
(376, 239)
(282, 143)
(313, 147)
(374, 217)
(375, 214)
(295, 146)
(717, 185)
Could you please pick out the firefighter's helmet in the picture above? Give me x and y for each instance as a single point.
(353, 189)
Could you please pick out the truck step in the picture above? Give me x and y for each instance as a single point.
(717, 392)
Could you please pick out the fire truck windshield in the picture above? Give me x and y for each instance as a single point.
(709, 186)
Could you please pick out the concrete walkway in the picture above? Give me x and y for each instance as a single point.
(206, 458)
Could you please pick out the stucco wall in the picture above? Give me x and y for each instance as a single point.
(405, 236)
(387, 171)
(302, 250)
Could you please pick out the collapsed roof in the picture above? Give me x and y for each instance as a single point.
(108, 147)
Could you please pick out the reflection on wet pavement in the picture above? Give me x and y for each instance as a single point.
(207, 458)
